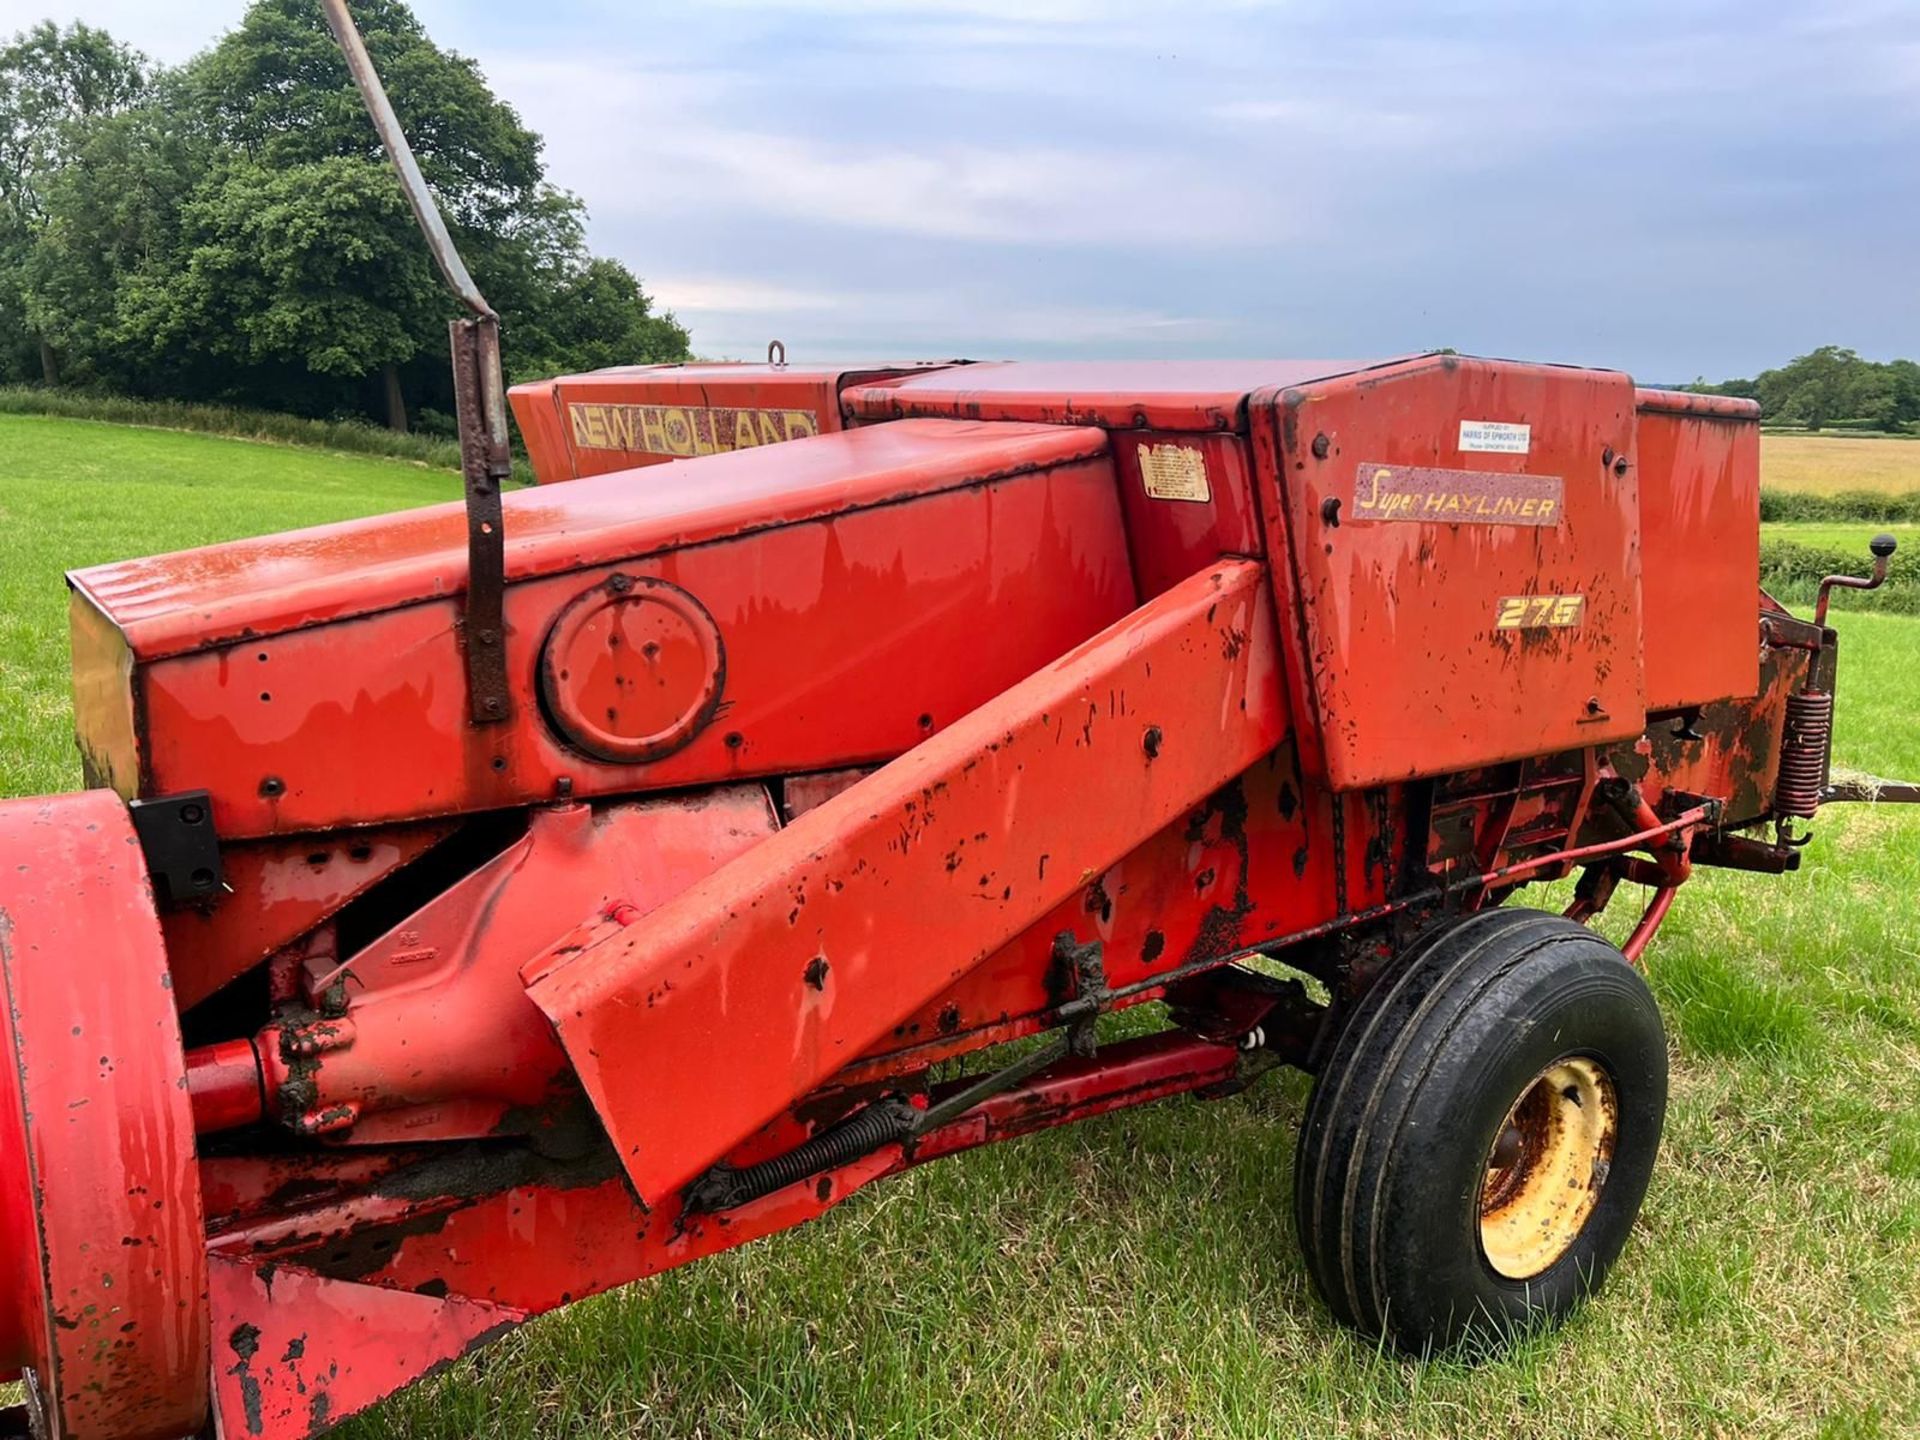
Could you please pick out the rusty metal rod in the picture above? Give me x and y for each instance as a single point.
(412, 182)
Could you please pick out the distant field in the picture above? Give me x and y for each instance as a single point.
(1136, 1276)
(1830, 464)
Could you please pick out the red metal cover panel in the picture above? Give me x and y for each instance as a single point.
(1116, 394)
(900, 576)
(246, 589)
(1465, 544)
(1699, 546)
(649, 414)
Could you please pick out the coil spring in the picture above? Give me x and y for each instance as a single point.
(1805, 748)
(724, 1187)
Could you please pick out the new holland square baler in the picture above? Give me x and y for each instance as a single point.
(361, 1011)
(479, 907)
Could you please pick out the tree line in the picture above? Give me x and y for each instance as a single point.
(1829, 387)
(229, 230)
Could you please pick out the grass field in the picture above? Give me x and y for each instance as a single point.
(1137, 1276)
(1832, 464)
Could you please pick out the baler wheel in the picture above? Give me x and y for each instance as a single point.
(1481, 1137)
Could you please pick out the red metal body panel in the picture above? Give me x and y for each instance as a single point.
(1114, 394)
(689, 1036)
(1175, 526)
(102, 1265)
(299, 1352)
(1699, 461)
(454, 1273)
(649, 414)
(824, 585)
(1410, 555)
(278, 890)
(1257, 864)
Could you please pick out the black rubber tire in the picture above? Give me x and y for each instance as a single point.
(1419, 1082)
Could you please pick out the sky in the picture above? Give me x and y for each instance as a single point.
(1676, 189)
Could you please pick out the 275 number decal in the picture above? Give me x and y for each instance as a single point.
(1540, 612)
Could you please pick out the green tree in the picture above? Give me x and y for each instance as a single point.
(240, 234)
(277, 90)
(52, 81)
(1831, 384)
(99, 274)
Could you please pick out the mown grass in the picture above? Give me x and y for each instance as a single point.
(1136, 1276)
(1831, 464)
(349, 437)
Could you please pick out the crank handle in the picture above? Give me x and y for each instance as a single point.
(1882, 547)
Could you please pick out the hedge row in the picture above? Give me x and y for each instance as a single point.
(1883, 506)
(351, 436)
(1792, 572)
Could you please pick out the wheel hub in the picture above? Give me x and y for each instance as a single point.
(1547, 1166)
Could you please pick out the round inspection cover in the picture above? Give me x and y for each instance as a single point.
(103, 1268)
(632, 669)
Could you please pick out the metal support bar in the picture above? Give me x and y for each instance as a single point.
(1870, 790)
(485, 465)
(479, 394)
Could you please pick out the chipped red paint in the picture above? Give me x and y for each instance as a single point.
(1699, 484)
(278, 891)
(297, 1353)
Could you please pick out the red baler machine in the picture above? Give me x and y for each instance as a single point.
(408, 974)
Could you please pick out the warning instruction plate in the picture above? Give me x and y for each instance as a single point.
(1174, 472)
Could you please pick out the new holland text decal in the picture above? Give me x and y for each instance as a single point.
(683, 429)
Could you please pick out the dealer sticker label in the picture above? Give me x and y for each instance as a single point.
(1498, 436)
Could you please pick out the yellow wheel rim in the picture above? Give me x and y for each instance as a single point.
(1547, 1167)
